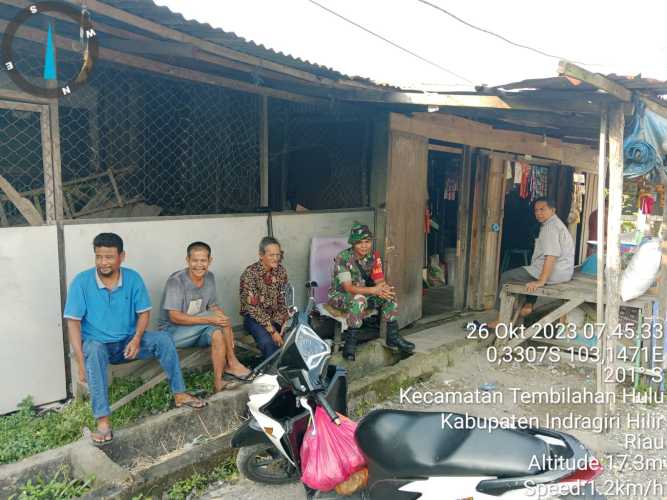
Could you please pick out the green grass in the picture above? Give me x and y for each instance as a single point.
(197, 483)
(24, 433)
(60, 486)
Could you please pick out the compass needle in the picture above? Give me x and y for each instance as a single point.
(50, 57)
(67, 82)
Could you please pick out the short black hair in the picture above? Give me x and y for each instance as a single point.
(199, 245)
(266, 241)
(550, 203)
(108, 240)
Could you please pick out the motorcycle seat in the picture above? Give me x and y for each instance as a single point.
(413, 444)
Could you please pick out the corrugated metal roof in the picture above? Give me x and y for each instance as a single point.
(564, 83)
(147, 9)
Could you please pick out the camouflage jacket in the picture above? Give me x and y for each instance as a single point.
(345, 269)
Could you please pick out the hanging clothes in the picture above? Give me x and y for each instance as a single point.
(518, 172)
(646, 203)
(538, 184)
(451, 186)
(524, 190)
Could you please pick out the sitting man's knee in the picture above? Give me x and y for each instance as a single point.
(360, 300)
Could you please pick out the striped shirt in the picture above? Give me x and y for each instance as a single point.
(555, 240)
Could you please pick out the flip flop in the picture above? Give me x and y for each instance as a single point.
(231, 376)
(107, 437)
(194, 403)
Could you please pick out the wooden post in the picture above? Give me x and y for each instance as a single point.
(662, 284)
(616, 123)
(599, 316)
(264, 152)
(463, 229)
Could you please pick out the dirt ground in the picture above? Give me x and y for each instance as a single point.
(632, 451)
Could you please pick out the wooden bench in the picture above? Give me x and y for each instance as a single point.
(152, 374)
(579, 291)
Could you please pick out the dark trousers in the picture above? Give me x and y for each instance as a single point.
(262, 337)
(516, 275)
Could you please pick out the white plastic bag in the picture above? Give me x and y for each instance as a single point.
(641, 271)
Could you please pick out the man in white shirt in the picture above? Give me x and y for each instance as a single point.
(552, 261)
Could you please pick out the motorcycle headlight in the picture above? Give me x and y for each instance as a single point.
(257, 388)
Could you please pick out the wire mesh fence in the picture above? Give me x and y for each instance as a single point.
(135, 143)
(321, 156)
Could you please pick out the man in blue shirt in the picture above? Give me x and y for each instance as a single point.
(107, 312)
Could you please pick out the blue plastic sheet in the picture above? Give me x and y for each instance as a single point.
(645, 147)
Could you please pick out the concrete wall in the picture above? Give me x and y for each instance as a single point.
(32, 352)
(156, 248)
(295, 230)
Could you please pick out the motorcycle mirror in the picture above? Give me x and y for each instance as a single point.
(289, 295)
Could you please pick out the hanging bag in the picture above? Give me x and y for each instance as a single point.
(329, 453)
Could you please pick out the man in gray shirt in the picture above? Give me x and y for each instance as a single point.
(191, 315)
(552, 261)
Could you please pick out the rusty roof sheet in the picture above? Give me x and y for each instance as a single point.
(147, 9)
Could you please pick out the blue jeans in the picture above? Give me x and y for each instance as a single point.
(97, 356)
(191, 335)
(261, 336)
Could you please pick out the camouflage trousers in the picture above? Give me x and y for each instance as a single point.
(355, 307)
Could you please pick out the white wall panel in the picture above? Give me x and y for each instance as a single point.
(31, 337)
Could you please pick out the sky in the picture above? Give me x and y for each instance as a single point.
(594, 33)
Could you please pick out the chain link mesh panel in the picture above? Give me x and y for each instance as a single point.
(151, 145)
(136, 143)
(21, 162)
(322, 155)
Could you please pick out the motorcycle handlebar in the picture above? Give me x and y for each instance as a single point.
(324, 403)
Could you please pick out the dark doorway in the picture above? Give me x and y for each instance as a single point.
(444, 171)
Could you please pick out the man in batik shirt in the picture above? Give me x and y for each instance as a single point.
(358, 284)
(263, 297)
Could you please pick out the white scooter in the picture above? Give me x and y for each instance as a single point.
(409, 454)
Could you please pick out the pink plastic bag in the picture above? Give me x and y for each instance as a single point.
(329, 454)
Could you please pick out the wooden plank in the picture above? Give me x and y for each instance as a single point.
(662, 281)
(454, 129)
(445, 149)
(590, 203)
(478, 217)
(264, 151)
(150, 65)
(114, 185)
(525, 101)
(21, 106)
(600, 259)
(495, 203)
(505, 315)
(512, 157)
(47, 167)
(613, 268)
(566, 68)
(56, 162)
(406, 202)
(463, 229)
(18, 95)
(549, 318)
(27, 209)
(613, 88)
(3, 215)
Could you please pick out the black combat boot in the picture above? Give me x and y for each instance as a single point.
(350, 345)
(395, 341)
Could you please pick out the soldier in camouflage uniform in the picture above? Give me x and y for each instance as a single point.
(358, 284)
